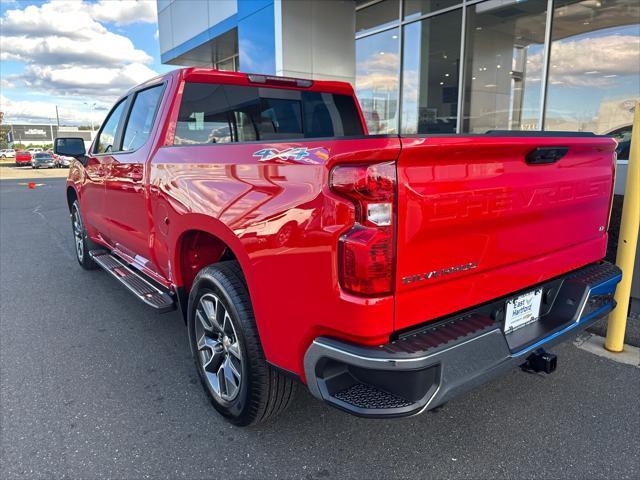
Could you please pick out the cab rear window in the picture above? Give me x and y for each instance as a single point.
(211, 113)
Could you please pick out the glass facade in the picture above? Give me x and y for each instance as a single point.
(430, 74)
(594, 69)
(447, 66)
(377, 80)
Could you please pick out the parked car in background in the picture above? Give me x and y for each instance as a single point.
(63, 161)
(34, 150)
(43, 160)
(23, 158)
(7, 153)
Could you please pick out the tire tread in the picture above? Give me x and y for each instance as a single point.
(270, 391)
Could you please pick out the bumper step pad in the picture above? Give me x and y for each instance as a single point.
(367, 396)
(160, 300)
(441, 334)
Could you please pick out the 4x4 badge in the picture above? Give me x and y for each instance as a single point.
(313, 156)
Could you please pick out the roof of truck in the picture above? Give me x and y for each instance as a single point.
(210, 75)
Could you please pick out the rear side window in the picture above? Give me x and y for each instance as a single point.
(107, 135)
(211, 113)
(141, 118)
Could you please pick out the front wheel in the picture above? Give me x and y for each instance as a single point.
(226, 347)
(81, 239)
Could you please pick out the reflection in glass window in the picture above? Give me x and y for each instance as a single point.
(377, 71)
(594, 72)
(503, 70)
(211, 113)
(107, 135)
(203, 116)
(378, 15)
(430, 74)
(141, 118)
(417, 8)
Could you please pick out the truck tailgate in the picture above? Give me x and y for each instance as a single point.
(477, 221)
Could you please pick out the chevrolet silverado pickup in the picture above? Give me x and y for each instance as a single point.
(387, 273)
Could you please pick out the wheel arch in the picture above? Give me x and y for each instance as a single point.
(72, 196)
(203, 241)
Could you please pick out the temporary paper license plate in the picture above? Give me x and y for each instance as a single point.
(522, 310)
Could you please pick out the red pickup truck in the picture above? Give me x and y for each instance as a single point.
(388, 273)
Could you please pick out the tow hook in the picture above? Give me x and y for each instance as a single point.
(541, 361)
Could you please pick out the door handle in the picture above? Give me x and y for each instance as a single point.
(135, 173)
(137, 176)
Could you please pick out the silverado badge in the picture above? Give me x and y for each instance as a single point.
(438, 273)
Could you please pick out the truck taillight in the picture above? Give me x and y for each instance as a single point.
(366, 252)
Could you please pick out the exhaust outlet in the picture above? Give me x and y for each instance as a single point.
(541, 361)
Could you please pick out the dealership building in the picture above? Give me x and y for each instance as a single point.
(42, 134)
(432, 66)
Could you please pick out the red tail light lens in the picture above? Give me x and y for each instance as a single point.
(366, 252)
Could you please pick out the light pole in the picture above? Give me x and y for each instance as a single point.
(91, 105)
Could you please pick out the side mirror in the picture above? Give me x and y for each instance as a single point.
(70, 147)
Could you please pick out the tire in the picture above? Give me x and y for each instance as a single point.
(232, 345)
(82, 242)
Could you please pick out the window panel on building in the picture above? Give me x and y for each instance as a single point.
(594, 72)
(431, 62)
(504, 61)
(377, 80)
(377, 15)
(417, 8)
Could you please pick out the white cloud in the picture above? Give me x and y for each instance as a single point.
(378, 73)
(29, 111)
(76, 18)
(94, 82)
(59, 50)
(592, 61)
(6, 83)
(125, 12)
(68, 52)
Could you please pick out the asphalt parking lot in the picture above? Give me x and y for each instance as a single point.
(9, 171)
(94, 385)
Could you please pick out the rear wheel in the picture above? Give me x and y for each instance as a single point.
(227, 351)
(83, 243)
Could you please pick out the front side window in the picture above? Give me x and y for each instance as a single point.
(107, 135)
(141, 118)
(211, 113)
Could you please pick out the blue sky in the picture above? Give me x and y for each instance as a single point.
(67, 53)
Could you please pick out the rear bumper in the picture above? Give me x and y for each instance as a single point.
(429, 366)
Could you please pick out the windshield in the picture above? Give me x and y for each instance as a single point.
(43, 156)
